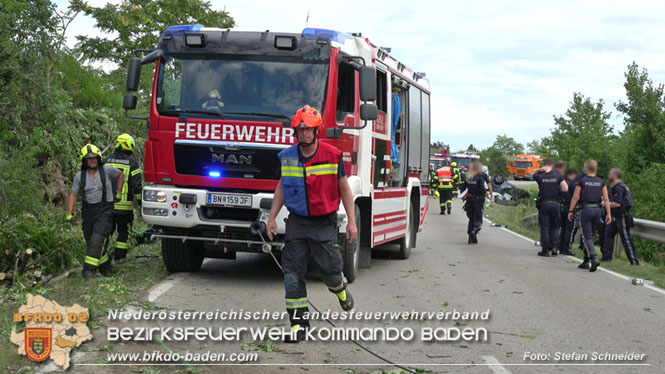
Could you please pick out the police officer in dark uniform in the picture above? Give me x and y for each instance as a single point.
(621, 203)
(568, 228)
(591, 193)
(550, 186)
(476, 186)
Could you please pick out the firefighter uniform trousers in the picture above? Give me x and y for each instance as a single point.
(97, 227)
(123, 224)
(474, 207)
(315, 237)
(618, 225)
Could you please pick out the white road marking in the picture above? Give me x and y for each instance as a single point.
(495, 365)
(652, 288)
(158, 290)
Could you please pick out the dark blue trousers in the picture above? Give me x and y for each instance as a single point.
(590, 222)
(619, 226)
(549, 217)
(474, 211)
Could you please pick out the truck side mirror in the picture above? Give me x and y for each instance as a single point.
(129, 102)
(367, 83)
(369, 112)
(134, 74)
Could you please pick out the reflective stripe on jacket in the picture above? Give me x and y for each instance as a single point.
(445, 175)
(311, 189)
(131, 190)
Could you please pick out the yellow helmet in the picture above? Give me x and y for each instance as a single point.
(454, 164)
(90, 151)
(125, 141)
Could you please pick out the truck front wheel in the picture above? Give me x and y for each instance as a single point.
(182, 257)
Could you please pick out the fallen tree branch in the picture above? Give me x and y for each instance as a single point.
(45, 255)
(24, 261)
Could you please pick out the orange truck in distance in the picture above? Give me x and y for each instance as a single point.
(523, 165)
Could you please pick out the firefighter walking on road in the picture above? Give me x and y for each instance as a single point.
(457, 178)
(123, 213)
(446, 186)
(94, 183)
(313, 181)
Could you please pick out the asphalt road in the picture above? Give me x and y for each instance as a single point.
(537, 305)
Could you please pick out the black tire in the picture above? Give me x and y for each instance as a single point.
(184, 257)
(351, 252)
(407, 243)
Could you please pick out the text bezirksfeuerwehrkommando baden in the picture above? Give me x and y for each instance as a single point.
(244, 315)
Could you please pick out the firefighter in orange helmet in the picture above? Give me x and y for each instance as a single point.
(312, 184)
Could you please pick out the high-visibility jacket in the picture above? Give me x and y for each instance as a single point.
(131, 190)
(457, 176)
(445, 175)
(312, 188)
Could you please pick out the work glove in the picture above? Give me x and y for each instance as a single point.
(117, 198)
(69, 218)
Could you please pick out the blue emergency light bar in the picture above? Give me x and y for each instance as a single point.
(181, 29)
(214, 174)
(336, 36)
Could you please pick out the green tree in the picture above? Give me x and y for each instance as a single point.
(495, 160)
(136, 24)
(507, 145)
(644, 118)
(438, 146)
(540, 147)
(583, 133)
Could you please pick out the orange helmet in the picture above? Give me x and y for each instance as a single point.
(307, 117)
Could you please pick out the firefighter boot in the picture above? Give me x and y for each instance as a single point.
(554, 252)
(585, 264)
(120, 253)
(88, 271)
(105, 269)
(297, 334)
(450, 207)
(345, 299)
(594, 263)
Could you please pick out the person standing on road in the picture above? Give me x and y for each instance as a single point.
(95, 185)
(123, 213)
(550, 186)
(457, 178)
(476, 186)
(446, 185)
(590, 193)
(621, 204)
(569, 229)
(313, 181)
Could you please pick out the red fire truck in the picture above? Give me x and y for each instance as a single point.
(220, 111)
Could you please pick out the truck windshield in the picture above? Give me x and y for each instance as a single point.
(522, 164)
(462, 161)
(240, 85)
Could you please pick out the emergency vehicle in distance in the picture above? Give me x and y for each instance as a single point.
(464, 160)
(523, 165)
(220, 113)
(436, 159)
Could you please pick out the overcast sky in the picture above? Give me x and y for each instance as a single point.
(495, 66)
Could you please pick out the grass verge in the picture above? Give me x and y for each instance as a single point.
(522, 220)
(131, 278)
